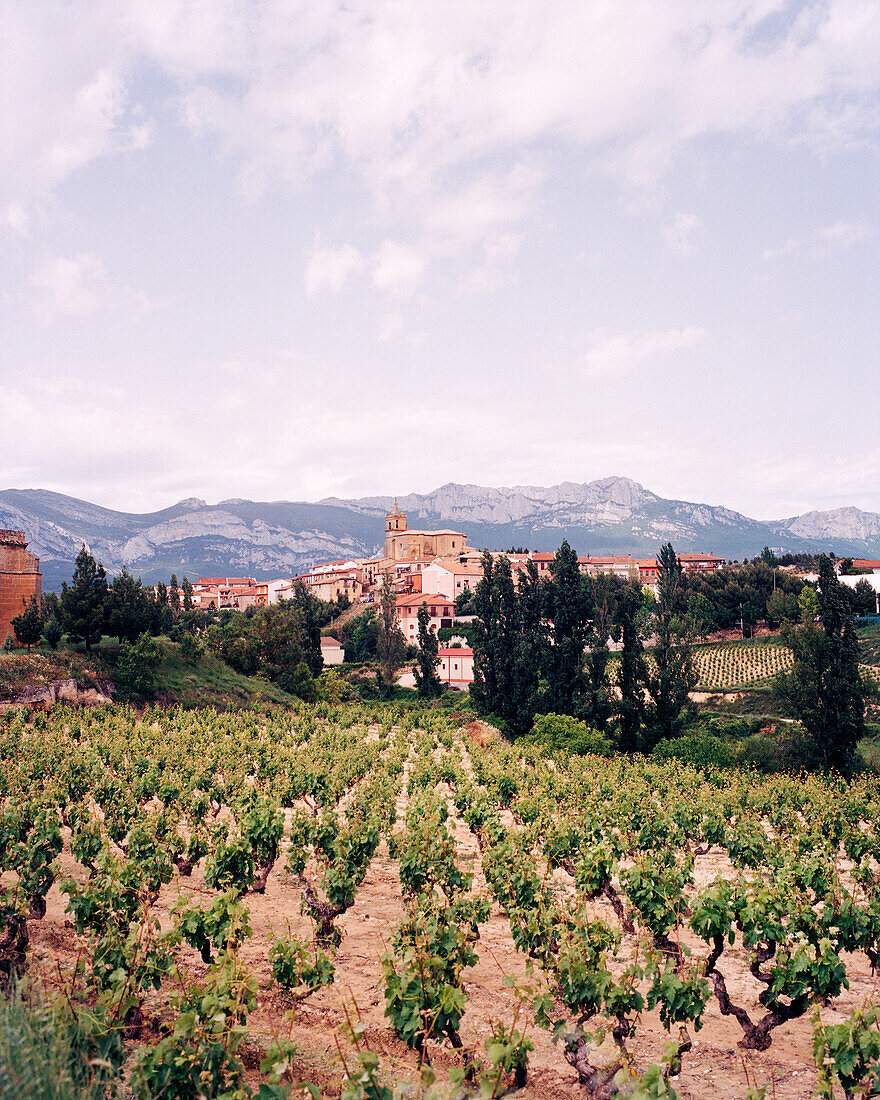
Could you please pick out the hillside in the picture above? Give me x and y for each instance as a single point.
(280, 538)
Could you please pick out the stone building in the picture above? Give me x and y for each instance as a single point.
(403, 544)
(20, 578)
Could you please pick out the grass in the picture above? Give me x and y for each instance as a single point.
(49, 1053)
(212, 683)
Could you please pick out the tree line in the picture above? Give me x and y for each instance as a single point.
(281, 643)
(542, 647)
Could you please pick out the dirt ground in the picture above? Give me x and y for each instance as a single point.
(714, 1068)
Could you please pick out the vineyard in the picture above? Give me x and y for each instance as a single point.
(319, 903)
(730, 665)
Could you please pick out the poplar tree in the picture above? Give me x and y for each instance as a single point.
(568, 607)
(825, 687)
(602, 590)
(673, 676)
(508, 642)
(631, 672)
(174, 596)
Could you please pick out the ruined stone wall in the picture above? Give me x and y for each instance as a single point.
(20, 578)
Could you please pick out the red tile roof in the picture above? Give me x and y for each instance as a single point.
(418, 598)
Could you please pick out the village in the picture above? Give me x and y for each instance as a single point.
(434, 568)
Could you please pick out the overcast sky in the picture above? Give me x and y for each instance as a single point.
(282, 249)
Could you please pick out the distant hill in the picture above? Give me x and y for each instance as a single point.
(280, 538)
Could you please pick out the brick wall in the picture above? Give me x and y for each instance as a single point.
(19, 578)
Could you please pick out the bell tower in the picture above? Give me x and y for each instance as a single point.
(395, 522)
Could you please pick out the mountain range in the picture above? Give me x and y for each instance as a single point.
(281, 538)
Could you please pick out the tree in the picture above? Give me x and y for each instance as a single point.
(310, 613)
(360, 637)
(128, 613)
(824, 687)
(463, 602)
(425, 672)
(863, 598)
(568, 607)
(673, 676)
(808, 604)
(28, 626)
(782, 607)
(508, 642)
(83, 601)
(598, 704)
(174, 596)
(187, 589)
(701, 614)
(632, 672)
(390, 643)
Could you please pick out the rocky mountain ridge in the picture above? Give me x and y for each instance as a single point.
(281, 538)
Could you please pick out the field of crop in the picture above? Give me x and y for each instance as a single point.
(220, 904)
(730, 665)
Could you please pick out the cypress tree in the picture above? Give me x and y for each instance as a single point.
(425, 672)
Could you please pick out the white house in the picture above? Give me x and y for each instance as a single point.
(332, 651)
(456, 667)
(450, 577)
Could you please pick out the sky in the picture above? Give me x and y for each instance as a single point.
(277, 249)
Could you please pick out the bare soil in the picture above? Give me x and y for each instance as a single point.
(714, 1068)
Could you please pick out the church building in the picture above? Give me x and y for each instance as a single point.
(403, 544)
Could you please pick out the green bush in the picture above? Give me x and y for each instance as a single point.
(191, 651)
(789, 750)
(137, 667)
(701, 750)
(728, 726)
(562, 733)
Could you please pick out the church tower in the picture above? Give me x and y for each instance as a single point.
(395, 522)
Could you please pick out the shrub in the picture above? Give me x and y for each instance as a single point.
(53, 632)
(701, 750)
(728, 726)
(137, 667)
(190, 649)
(792, 749)
(562, 733)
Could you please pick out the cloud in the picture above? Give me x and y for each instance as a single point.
(842, 235)
(822, 242)
(69, 286)
(618, 353)
(390, 325)
(679, 236)
(16, 219)
(397, 269)
(76, 286)
(331, 268)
